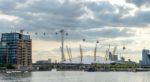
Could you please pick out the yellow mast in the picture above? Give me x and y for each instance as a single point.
(81, 54)
(95, 51)
(69, 54)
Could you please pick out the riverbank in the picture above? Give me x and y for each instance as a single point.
(85, 70)
(89, 67)
(75, 76)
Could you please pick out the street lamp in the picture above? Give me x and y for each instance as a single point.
(63, 33)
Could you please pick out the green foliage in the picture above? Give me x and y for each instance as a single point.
(2, 65)
(108, 66)
(9, 66)
(97, 65)
(81, 67)
(126, 66)
(117, 67)
(2, 68)
(6, 66)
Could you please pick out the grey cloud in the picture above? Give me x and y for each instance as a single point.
(140, 19)
(139, 2)
(9, 5)
(50, 15)
(101, 7)
(5, 26)
(106, 14)
(110, 33)
(64, 15)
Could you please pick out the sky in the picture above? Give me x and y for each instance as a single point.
(114, 22)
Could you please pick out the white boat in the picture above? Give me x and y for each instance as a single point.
(54, 70)
(16, 71)
(8, 71)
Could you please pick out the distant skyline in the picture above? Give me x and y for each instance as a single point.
(114, 22)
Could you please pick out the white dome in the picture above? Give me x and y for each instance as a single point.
(89, 60)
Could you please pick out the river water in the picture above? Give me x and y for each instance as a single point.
(76, 76)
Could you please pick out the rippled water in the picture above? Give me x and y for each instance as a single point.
(76, 76)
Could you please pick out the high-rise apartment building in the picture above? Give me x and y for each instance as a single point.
(16, 49)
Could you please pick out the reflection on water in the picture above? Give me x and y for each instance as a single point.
(15, 77)
(72, 76)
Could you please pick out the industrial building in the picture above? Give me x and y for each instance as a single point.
(44, 61)
(113, 57)
(145, 58)
(16, 49)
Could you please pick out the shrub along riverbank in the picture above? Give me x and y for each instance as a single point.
(6, 66)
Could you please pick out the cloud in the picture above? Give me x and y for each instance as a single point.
(109, 32)
(56, 15)
(139, 2)
(140, 19)
(91, 20)
(65, 15)
(38, 15)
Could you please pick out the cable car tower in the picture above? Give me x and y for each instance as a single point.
(63, 33)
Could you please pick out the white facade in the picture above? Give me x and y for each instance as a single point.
(89, 60)
(145, 57)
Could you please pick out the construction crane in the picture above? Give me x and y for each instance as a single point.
(108, 48)
(109, 55)
(106, 54)
(114, 51)
(81, 54)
